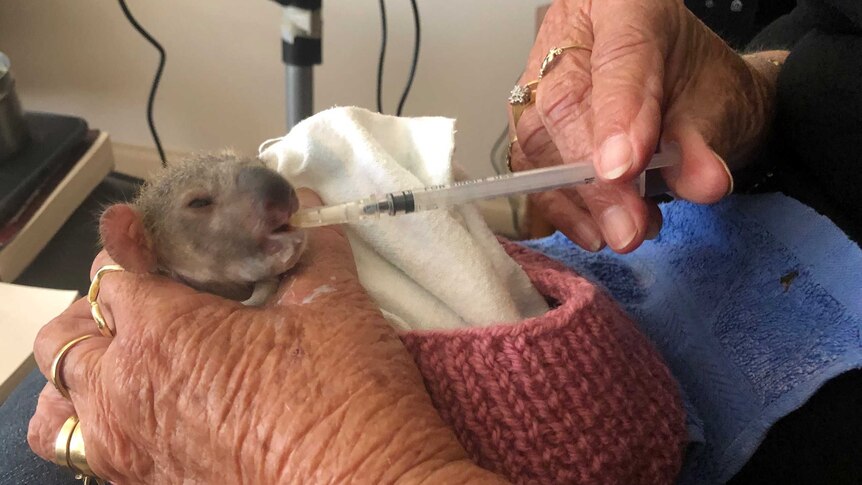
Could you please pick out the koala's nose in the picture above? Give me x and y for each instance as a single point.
(268, 187)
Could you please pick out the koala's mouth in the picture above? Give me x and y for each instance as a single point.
(277, 238)
(283, 249)
(282, 239)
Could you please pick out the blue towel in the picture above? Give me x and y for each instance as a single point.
(754, 302)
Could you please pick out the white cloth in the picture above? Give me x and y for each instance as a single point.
(435, 269)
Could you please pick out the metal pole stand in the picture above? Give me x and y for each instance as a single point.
(302, 47)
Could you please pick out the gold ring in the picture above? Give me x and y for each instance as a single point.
(78, 453)
(93, 294)
(556, 52)
(520, 98)
(70, 452)
(61, 444)
(509, 154)
(58, 359)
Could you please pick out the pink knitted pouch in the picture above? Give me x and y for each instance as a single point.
(577, 395)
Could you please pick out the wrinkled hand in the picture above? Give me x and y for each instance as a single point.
(316, 387)
(656, 77)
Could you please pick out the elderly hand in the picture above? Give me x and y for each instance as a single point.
(193, 388)
(656, 77)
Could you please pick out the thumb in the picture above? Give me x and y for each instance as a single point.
(327, 266)
(627, 66)
(702, 176)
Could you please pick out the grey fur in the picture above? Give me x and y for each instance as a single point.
(216, 248)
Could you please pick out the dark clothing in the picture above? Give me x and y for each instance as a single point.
(816, 152)
(18, 464)
(820, 443)
(817, 141)
(738, 22)
(815, 156)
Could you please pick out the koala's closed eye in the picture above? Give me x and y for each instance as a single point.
(219, 224)
(200, 202)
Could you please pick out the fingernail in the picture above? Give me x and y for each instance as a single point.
(589, 235)
(726, 169)
(615, 157)
(619, 227)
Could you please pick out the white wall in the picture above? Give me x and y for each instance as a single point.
(223, 85)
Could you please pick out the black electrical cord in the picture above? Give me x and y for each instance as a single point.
(415, 57)
(156, 80)
(383, 35)
(413, 64)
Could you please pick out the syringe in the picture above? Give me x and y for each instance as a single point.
(446, 196)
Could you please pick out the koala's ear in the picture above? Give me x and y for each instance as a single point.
(126, 240)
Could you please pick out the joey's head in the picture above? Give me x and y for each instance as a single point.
(217, 222)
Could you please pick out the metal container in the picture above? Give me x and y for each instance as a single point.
(13, 127)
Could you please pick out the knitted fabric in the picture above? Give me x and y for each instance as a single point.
(577, 395)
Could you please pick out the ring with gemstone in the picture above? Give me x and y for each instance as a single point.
(521, 97)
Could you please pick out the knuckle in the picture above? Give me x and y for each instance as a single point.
(539, 149)
(42, 345)
(36, 437)
(628, 41)
(41, 340)
(564, 100)
(100, 260)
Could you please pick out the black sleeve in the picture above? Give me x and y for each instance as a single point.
(816, 151)
(816, 157)
(737, 21)
(808, 15)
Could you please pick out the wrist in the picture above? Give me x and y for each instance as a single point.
(767, 65)
(764, 68)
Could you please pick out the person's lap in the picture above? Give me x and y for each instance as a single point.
(18, 464)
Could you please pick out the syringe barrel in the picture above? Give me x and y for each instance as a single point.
(538, 180)
(446, 196)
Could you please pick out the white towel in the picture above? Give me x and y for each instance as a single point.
(436, 269)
